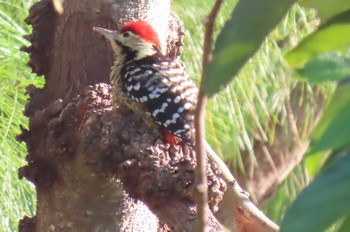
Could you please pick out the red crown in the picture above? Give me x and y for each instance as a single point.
(144, 30)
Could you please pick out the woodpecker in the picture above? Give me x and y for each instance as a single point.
(159, 85)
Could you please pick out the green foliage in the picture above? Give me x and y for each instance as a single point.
(240, 38)
(324, 204)
(333, 130)
(327, 9)
(345, 227)
(327, 67)
(18, 197)
(286, 194)
(250, 107)
(332, 35)
(234, 47)
(324, 201)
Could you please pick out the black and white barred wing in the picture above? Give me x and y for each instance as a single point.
(168, 94)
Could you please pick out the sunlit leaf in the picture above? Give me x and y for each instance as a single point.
(327, 9)
(331, 36)
(324, 202)
(251, 22)
(314, 162)
(329, 67)
(345, 227)
(333, 129)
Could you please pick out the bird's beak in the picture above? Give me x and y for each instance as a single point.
(109, 34)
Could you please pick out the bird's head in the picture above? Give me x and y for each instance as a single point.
(135, 40)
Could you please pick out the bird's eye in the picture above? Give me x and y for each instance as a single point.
(126, 34)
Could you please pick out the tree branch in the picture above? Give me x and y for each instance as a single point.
(200, 174)
(236, 207)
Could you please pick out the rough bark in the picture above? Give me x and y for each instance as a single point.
(82, 152)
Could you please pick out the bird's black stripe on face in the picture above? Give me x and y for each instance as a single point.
(127, 51)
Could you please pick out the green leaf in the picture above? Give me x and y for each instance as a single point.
(324, 201)
(242, 35)
(326, 8)
(315, 162)
(333, 35)
(345, 227)
(333, 130)
(328, 67)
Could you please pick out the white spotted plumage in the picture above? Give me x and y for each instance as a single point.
(170, 100)
(157, 82)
